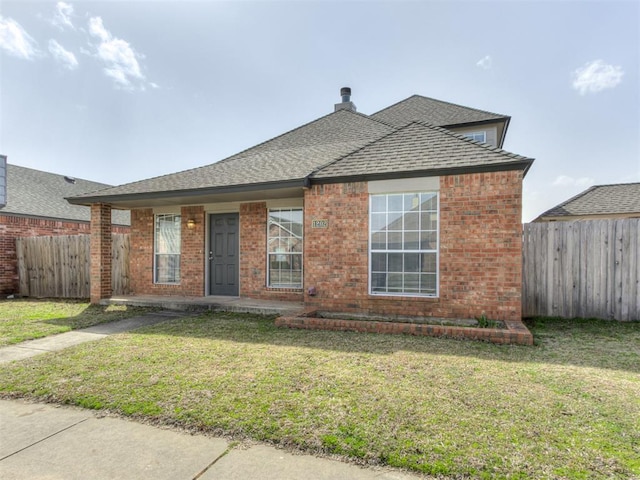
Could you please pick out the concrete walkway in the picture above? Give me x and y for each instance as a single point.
(40, 441)
(53, 343)
(46, 442)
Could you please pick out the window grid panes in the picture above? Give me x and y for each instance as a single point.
(167, 249)
(284, 248)
(403, 241)
(477, 136)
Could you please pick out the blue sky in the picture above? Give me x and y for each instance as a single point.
(119, 91)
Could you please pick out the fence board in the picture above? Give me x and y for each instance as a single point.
(59, 266)
(582, 269)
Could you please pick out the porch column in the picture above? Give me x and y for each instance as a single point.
(100, 252)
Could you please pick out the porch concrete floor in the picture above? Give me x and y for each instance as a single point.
(217, 303)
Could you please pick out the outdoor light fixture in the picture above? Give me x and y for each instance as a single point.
(191, 223)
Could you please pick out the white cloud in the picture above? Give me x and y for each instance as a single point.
(566, 181)
(119, 57)
(65, 57)
(62, 17)
(596, 76)
(485, 62)
(15, 40)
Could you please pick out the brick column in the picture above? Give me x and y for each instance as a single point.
(100, 252)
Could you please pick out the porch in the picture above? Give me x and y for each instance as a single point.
(214, 303)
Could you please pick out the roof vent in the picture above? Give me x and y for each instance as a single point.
(69, 179)
(347, 104)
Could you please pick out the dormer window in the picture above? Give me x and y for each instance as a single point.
(477, 136)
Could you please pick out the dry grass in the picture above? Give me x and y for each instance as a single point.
(26, 319)
(567, 408)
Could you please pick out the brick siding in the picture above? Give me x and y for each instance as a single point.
(253, 256)
(480, 251)
(191, 260)
(12, 227)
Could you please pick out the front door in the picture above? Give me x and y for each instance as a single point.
(223, 254)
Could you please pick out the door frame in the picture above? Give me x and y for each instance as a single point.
(208, 246)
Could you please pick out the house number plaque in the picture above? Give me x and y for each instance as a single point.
(319, 223)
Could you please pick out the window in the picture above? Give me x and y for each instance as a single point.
(167, 249)
(284, 248)
(477, 136)
(403, 240)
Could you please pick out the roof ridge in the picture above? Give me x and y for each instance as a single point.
(441, 101)
(322, 167)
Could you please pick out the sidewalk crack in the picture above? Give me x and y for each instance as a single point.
(231, 446)
(45, 438)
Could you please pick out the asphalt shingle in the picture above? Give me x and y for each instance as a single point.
(621, 198)
(436, 112)
(42, 194)
(291, 156)
(419, 147)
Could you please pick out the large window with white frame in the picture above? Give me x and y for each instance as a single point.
(167, 249)
(284, 248)
(403, 244)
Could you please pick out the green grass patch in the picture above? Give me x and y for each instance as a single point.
(567, 408)
(22, 319)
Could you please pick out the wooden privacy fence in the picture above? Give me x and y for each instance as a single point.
(587, 269)
(59, 266)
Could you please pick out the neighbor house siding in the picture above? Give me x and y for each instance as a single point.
(13, 226)
(480, 250)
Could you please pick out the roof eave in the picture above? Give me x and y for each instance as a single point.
(523, 165)
(124, 198)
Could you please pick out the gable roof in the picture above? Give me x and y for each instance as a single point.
(436, 112)
(324, 150)
(613, 199)
(422, 148)
(34, 193)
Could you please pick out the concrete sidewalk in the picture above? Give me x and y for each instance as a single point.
(60, 341)
(39, 441)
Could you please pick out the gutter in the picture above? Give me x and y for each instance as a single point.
(168, 194)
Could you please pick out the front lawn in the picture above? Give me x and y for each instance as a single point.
(568, 407)
(25, 319)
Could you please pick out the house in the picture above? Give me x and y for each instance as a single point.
(413, 210)
(621, 200)
(32, 203)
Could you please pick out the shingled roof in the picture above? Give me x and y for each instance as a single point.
(34, 193)
(327, 148)
(621, 199)
(436, 112)
(421, 148)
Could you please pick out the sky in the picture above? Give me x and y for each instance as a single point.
(120, 91)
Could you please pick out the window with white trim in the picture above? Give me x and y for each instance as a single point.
(166, 267)
(284, 248)
(403, 244)
(477, 136)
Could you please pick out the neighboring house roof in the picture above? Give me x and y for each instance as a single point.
(327, 148)
(34, 193)
(622, 199)
(442, 114)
